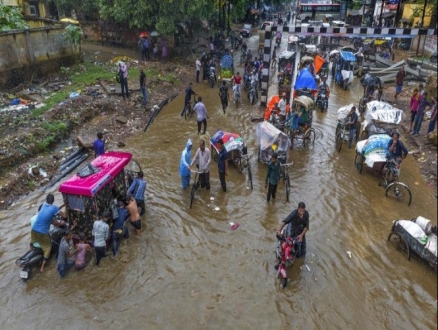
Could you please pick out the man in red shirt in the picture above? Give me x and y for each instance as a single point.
(237, 81)
(399, 81)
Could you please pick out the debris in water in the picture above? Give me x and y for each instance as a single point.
(349, 254)
(234, 225)
(217, 208)
(308, 268)
(212, 198)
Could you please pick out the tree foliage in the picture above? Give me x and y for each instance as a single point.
(79, 6)
(73, 34)
(11, 18)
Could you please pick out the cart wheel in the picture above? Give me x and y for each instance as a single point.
(390, 235)
(358, 162)
(309, 136)
(192, 195)
(399, 191)
(339, 142)
(402, 245)
(364, 135)
(250, 176)
(287, 184)
(362, 105)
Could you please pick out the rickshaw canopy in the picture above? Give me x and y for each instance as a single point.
(287, 55)
(305, 101)
(305, 59)
(109, 164)
(347, 56)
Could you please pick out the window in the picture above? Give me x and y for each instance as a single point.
(33, 10)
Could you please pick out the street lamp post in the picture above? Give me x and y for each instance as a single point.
(381, 14)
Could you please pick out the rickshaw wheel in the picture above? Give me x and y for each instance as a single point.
(287, 184)
(364, 135)
(310, 136)
(339, 142)
(399, 191)
(250, 176)
(402, 245)
(358, 162)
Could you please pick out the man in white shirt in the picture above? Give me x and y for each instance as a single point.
(203, 159)
(201, 114)
(282, 107)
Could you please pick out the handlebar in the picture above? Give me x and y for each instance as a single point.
(287, 164)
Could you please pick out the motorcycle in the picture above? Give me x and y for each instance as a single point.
(286, 252)
(322, 100)
(278, 41)
(212, 77)
(243, 56)
(238, 42)
(34, 257)
(252, 95)
(246, 82)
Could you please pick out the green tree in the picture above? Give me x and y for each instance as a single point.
(73, 34)
(11, 18)
(79, 6)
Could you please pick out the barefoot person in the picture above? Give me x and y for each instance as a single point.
(134, 216)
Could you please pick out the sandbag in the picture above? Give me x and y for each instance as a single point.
(432, 244)
(414, 230)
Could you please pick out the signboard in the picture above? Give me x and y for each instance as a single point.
(391, 6)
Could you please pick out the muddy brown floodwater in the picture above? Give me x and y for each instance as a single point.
(190, 271)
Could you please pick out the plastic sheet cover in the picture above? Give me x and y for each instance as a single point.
(268, 135)
(383, 112)
(345, 110)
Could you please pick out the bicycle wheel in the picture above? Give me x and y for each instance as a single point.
(364, 135)
(339, 142)
(358, 162)
(287, 184)
(399, 191)
(186, 112)
(192, 194)
(250, 176)
(309, 137)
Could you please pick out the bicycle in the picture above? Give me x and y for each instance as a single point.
(343, 134)
(284, 174)
(188, 109)
(394, 188)
(195, 186)
(237, 97)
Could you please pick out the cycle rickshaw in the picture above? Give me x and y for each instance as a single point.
(372, 153)
(342, 133)
(370, 84)
(344, 69)
(270, 139)
(416, 237)
(299, 121)
(237, 152)
(380, 117)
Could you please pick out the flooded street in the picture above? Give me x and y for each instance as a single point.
(189, 270)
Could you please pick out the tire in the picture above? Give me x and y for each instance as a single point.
(399, 191)
(250, 176)
(211, 81)
(405, 247)
(309, 137)
(344, 85)
(287, 184)
(251, 98)
(186, 112)
(362, 105)
(339, 142)
(192, 195)
(358, 162)
(364, 135)
(284, 282)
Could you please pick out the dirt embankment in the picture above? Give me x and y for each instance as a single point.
(41, 142)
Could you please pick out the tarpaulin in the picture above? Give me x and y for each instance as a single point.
(319, 61)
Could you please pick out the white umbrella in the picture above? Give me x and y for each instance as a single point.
(334, 51)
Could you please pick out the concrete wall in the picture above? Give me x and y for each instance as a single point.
(428, 45)
(32, 53)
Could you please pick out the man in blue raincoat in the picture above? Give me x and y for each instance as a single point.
(184, 164)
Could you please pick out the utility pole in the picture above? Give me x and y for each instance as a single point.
(422, 25)
(381, 14)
